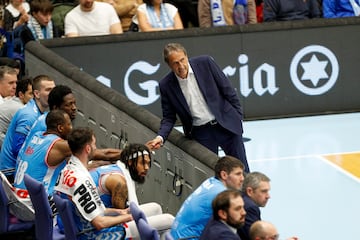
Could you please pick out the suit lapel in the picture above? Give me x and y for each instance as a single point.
(197, 73)
(177, 92)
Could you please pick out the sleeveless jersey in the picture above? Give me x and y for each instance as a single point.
(32, 160)
(21, 123)
(97, 175)
(39, 125)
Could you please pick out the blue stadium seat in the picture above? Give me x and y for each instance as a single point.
(44, 229)
(168, 236)
(8, 223)
(136, 212)
(146, 231)
(65, 211)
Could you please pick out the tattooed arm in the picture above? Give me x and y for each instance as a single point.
(116, 184)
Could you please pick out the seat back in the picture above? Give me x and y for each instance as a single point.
(64, 209)
(168, 236)
(5, 225)
(43, 213)
(136, 212)
(146, 231)
(4, 210)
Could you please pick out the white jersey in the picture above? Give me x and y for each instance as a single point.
(76, 182)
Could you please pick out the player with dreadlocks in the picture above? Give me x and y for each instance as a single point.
(136, 158)
(116, 185)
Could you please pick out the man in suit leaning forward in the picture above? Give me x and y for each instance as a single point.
(202, 96)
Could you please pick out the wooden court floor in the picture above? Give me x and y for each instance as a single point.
(350, 162)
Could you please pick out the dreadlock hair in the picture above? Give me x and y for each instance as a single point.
(134, 152)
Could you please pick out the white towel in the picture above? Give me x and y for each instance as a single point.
(129, 183)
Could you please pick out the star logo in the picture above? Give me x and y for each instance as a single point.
(314, 70)
(320, 72)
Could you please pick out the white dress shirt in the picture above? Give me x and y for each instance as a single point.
(198, 107)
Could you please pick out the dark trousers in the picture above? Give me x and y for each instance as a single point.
(213, 136)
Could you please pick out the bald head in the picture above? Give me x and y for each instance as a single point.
(263, 230)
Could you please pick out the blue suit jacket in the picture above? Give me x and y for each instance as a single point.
(218, 93)
(216, 230)
(252, 215)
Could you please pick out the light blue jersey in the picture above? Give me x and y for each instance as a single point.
(32, 160)
(196, 210)
(39, 125)
(97, 174)
(20, 124)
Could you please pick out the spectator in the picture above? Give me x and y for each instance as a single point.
(23, 120)
(284, 10)
(9, 108)
(3, 4)
(255, 192)
(42, 156)
(261, 230)
(341, 8)
(6, 61)
(154, 15)
(126, 10)
(92, 214)
(116, 185)
(320, 3)
(259, 10)
(224, 14)
(228, 215)
(188, 12)
(196, 211)
(91, 18)
(39, 25)
(16, 14)
(61, 8)
(8, 78)
(199, 93)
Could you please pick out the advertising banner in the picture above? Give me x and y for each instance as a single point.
(276, 72)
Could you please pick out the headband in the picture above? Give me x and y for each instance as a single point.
(138, 154)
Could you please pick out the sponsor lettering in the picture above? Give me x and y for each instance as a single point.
(36, 140)
(29, 150)
(314, 63)
(22, 167)
(69, 179)
(85, 199)
(149, 86)
(22, 193)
